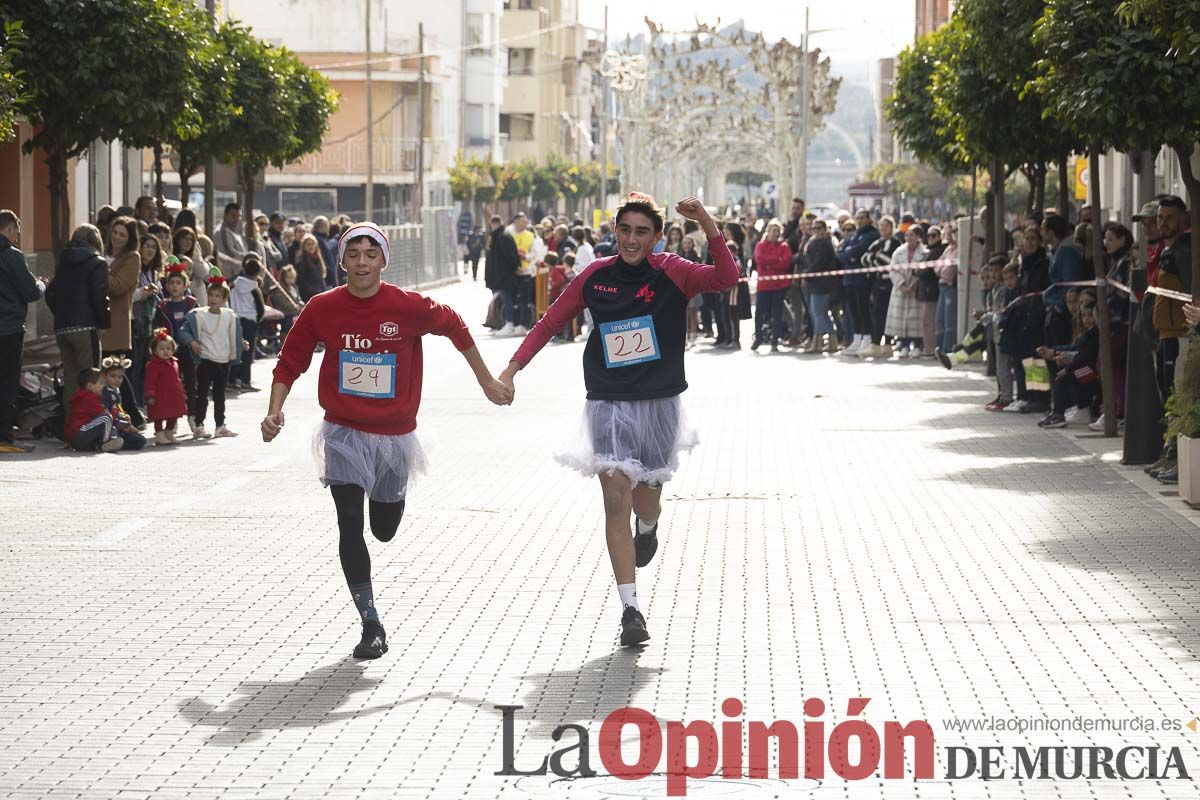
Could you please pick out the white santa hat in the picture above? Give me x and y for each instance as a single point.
(372, 232)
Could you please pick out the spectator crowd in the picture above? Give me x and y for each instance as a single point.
(154, 319)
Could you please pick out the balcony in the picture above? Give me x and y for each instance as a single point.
(393, 157)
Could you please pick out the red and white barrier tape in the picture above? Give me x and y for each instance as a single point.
(791, 276)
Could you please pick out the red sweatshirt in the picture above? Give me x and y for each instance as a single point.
(370, 375)
(84, 407)
(772, 258)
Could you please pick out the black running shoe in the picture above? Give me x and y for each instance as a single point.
(645, 545)
(374, 641)
(942, 357)
(633, 627)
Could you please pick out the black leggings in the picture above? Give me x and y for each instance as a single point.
(352, 549)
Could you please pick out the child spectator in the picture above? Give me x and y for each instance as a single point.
(171, 313)
(112, 373)
(1076, 380)
(246, 300)
(89, 426)
(976, 339)
(214, 336)
(1010, 371)
(166, 401)
(286, 298)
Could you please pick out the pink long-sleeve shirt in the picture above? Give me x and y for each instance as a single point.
(635, 350)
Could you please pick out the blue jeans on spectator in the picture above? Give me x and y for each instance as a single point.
(768, 312)
(946, 321)
(249, 333)
(524, 310)
(818, 309)
(508, 303)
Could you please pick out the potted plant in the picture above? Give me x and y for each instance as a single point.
(1183, 421)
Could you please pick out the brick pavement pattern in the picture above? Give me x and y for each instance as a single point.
(174, 623)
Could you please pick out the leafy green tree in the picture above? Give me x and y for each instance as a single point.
(1117, 83)
(93, 70)
(1177, 22)
(194, 148)
(910, 108)
(178, 62)
(281, 110)
(12, 90)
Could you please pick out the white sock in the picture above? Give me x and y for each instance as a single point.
(628, 592)
(644, 527)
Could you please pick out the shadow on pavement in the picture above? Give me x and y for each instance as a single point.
(306, 702)
(1156, 559)
(580, 696)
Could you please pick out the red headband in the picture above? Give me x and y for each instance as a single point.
(161, 333)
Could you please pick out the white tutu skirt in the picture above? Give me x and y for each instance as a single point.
(640, 438)
(382, 465)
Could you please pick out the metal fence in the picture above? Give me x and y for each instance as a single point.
(426, 253)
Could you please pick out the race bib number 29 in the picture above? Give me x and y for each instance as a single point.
(629, 341)
(367, 374)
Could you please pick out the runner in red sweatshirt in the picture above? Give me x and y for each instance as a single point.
(370, 388)
(633, 370)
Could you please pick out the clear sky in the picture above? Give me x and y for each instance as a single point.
(870, 29)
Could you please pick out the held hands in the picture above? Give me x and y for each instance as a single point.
(271, 425)
(196, 348)
(499, 393)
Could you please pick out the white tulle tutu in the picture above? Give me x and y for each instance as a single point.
(640, 438)
(383, 465)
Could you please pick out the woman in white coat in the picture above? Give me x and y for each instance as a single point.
(904, 312)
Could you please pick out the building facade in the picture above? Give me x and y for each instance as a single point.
(548, 102)
(462, 85)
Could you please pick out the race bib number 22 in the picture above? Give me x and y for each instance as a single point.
(367, 374)
(629, 341)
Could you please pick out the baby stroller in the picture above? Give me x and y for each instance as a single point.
(39, 394)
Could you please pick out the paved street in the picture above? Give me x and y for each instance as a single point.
(174, 623)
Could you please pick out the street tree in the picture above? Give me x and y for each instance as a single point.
(91, 73)
(193, 149)
(281, 110)
(910, 109)
(12, 88)
(1106, 82)
(176, 65)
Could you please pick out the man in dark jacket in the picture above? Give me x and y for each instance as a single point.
(320, 229)
(858, 285)
(275, 232)
(78, 298)
(18, 288)
(500, 271)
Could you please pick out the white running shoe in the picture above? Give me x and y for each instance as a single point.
(201, 433)
(113, 445)
(1078, 414)
(504, 330)
(520, 330)
(1098, 425)
(223, 433)
(1016, 406)
(160, 437)
(906, 352)
(171, 439)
